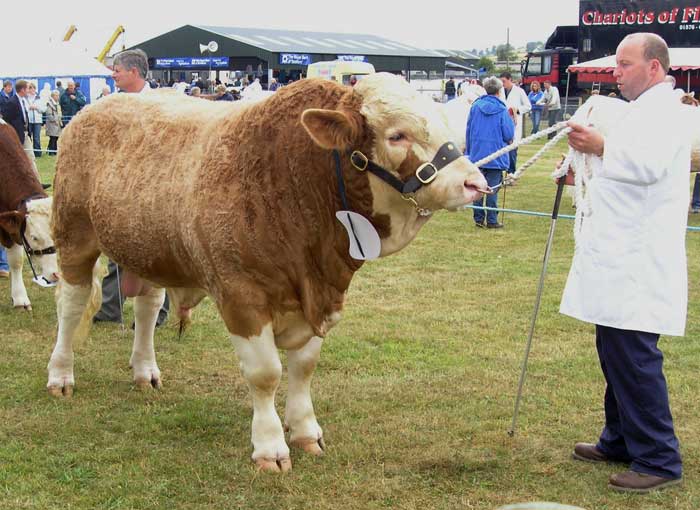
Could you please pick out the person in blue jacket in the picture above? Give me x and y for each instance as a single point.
(536, 97)
(489, 129)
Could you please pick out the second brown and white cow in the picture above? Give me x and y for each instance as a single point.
(239, 202)
(25, 217)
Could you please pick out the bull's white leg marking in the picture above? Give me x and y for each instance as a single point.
(299, 413)
(15, 258)
(143, 356)
(72, 300)
(262, 369)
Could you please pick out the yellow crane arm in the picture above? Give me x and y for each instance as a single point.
(103, 54)
(71, 30)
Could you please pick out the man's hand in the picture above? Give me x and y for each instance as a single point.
(586, 139)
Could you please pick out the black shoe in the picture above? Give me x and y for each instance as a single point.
(479, 224)
(45, 186)
(494, 225)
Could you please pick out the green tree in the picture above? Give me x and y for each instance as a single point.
(534, 45)
(486, 63)
(506, 52)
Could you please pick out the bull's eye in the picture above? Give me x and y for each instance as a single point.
(397, 137)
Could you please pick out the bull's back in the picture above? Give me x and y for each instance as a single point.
(125, 169)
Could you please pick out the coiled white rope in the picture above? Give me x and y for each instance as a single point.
(524, 141)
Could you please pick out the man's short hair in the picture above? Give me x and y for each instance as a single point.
(506, 75)
(58, 83)
(133, 59)
(548, 81)
(6, 83)
(655, 48)
(20, 85)
(492, 85)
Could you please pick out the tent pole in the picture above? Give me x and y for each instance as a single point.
(688, 82)
(566, 98)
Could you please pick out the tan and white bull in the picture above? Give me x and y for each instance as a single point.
(238, 202)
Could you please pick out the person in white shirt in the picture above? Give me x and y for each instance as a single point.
(552, 105)
(129, 72)
(518, 104)
(629, 273)
(35, 110)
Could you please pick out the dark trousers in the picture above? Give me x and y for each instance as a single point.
(695, 202)
(52, 149)
(512, 161)
(552, 118)
(638, 423)
(111, 307)
(493, 178)
(35, 134)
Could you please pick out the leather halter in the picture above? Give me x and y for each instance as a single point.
(424, 175)
(23, 228)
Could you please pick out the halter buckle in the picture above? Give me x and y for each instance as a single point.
(359, 160)
(430, 177)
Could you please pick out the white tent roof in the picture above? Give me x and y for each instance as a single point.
(685, 59)
(52, 60)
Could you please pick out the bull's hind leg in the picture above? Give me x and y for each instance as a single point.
(75, 306)
(299, 418)
(15, 258)
(262, 369)
(143, 356)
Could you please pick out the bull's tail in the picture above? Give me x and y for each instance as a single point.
(93, 304)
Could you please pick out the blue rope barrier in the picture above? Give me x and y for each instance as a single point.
(540, 214)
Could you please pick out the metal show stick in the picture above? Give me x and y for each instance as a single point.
(547, 250)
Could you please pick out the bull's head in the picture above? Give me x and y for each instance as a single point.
(408, 131)
(31, 227)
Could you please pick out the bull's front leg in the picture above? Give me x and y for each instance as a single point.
(143, 355)
(262, 370)
(71, 301)
(300, 419)
(15, 259)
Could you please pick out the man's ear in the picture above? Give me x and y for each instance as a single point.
(11, 223)
(330, 129)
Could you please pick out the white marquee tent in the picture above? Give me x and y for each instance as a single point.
(54, 62)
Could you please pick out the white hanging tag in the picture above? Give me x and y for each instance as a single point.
(43, 282)
(364, 240)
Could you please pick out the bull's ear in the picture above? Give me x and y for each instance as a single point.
(11, 223)
(330, 129)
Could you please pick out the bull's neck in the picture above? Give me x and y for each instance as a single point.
(19, 182)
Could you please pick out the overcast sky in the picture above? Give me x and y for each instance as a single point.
(428, 24)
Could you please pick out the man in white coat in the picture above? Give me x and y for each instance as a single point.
(518, 104)
(629, 274)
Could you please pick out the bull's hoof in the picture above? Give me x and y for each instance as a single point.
(313, 446)
(65, 390)
(274, 465)
(143, 383)
(25, 308)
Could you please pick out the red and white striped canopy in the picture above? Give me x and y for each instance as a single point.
(683, 59)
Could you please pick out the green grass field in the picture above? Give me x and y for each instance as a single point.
(414, 390)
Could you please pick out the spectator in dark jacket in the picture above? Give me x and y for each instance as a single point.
(5, 94)
(72, 101)
(450, 89)
(222, 94)
(489, 129)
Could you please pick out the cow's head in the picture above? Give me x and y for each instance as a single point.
(408, 130)
(32, 227)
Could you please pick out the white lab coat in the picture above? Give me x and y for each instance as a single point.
(629, 269)
(518, 100)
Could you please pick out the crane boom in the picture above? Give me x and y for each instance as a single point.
(103, 54)
(69, 33)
